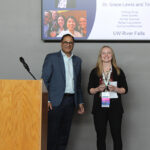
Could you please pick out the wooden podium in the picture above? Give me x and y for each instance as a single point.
(23, 115)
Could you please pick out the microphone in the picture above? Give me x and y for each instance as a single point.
(26, 66)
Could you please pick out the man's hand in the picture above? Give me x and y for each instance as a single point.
(81, 109)
(50, 106)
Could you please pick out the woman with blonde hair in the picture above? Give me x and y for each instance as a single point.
(107, 82)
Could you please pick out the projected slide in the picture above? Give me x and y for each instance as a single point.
(106, 20)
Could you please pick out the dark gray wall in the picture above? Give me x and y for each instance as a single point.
(20, 35)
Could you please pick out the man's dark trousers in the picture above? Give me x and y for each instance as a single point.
(59, 123)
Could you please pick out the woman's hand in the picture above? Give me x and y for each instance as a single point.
(100, 88)
(116, 89)
(112, 88)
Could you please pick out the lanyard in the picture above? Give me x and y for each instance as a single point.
(107, 78)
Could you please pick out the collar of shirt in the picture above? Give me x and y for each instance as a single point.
(65, 56)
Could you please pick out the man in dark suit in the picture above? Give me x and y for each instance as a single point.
(65, 3)
(62, 76)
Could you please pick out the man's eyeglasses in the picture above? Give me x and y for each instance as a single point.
(66, 43)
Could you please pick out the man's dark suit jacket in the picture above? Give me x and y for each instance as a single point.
(70, 3)
(53, 74)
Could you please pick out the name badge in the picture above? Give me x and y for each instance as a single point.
(105, 99)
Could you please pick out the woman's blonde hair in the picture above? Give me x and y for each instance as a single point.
(99, 64)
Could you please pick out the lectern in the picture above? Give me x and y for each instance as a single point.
(23, 115)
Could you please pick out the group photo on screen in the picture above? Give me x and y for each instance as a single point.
(58, 23)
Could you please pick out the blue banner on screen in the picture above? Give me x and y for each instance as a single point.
(92, 20)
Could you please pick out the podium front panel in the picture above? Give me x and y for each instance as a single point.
(20, 114)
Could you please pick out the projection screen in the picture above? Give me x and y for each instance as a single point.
(96, 20)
